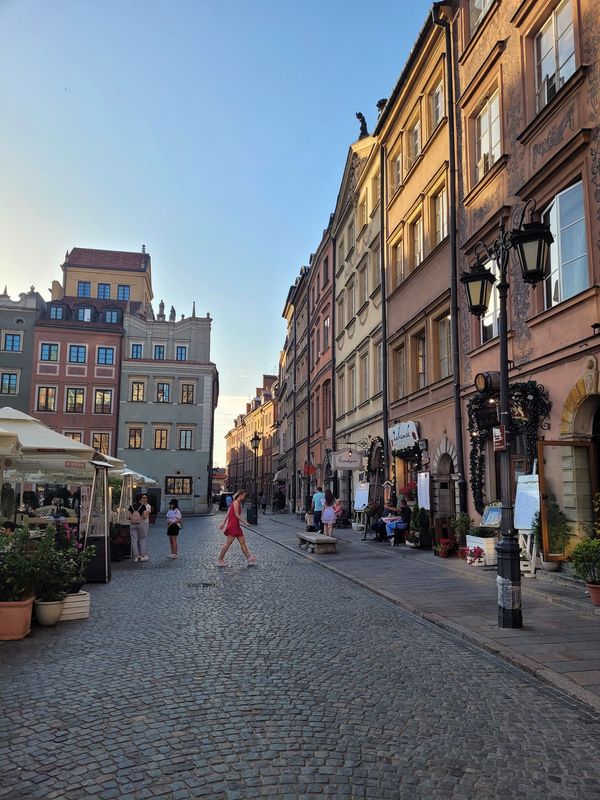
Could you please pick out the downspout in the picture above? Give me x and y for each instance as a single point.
(333, 343)
(294, 477)
(384, 358)
(308, 397)
(454, 333)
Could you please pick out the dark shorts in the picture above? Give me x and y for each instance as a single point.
(173, 529)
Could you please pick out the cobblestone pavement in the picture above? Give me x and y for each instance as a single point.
(281, 680)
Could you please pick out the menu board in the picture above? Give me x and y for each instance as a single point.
(84, 508)
(527, 502)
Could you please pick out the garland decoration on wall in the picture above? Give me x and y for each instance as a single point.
(408, 453)
(529, 410)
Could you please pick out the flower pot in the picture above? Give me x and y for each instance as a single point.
(594, 590)
(550, 566)
(48, 612)
(15, 619)
(462, 552)
(76, 586)
(488, 545)
(411, 544)
(77, 606)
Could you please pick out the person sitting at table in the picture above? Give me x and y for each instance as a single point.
(398, 522)
(8, 527)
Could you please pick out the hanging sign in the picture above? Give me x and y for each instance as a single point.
(347, 459)
(499, 434)
(403, 435)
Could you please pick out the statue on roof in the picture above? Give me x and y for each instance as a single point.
(172, 314)
(161, 310)
(363, 125)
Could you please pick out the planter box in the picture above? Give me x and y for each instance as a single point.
(77, 606)
(488, 545)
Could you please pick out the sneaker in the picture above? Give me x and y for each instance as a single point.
(143, 558)
(221, 563)
(172, 555)
(251, 560)
(135, 560)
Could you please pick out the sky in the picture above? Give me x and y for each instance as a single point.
(215, 133)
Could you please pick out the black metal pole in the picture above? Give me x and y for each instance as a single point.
(509, 568)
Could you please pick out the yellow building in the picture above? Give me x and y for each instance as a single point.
(105, 275)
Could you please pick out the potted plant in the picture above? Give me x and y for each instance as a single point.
(412, 538)
(559, 533)
(409, 492)
(16, 585)
(485, 539)
(476, 556)
(444, 547)
(585, 559)
(55, 569)
(419, 523)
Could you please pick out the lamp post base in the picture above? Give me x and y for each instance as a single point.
(509, 584)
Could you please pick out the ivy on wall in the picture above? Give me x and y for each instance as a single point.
(529, 408)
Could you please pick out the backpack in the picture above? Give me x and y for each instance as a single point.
(136, 517)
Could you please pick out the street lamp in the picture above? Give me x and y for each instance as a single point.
(531, 243)
(252, 514)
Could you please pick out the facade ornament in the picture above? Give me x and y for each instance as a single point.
(161, 311)
(172, 314)
(363, 125)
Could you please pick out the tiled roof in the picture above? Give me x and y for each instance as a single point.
(107, 259)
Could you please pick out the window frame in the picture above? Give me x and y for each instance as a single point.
(135, 432)
(12, 336)
(104, 349)
(159, 348)
(103, 291)
(51, 398)
(178, 348)
(123, 291)
(185, 387)
(175, 482)
(163, 391)
(155, 437)
(103, 407)
(77, 393)
(9, 374)
(185, 431)
(136, 345)
(559, 79)
(84, 289)
(105, 450)
(78, 347)
(54, 349)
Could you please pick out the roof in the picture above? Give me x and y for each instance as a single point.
(107, 259)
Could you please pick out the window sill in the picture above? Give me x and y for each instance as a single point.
(362, 307)
(542, 118)
(375, 292)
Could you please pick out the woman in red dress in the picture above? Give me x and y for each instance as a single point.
(233, 530)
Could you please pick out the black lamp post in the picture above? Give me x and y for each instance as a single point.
(531, 243)
(252, 514)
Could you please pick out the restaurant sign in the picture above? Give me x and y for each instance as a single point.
(347, 459)
(403, 435)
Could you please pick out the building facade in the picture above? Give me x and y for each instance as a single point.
(17, 334)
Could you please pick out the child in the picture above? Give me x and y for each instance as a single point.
(174, 523)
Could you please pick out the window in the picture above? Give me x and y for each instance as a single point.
(76, 436)
(350, 237)
(400, 372)
(489, 321)
(159, 352)
(352, 387)
(104, 291)
(46, 398)
(437, 105)
(83, 315)
(350, 300)
(187, 393)
(444, 348)
(181, 353)
(396, 172)
(56, 312)
(378, 367)
(326, 326)
(340, 395)
(101, 443)
(84, 289)
(414, 143)
(568, 255)
(340, 251)
(440, 216)
(327, 404)
(112, 317)
(375, 268)
(340, 316)
(421, 365)
(416, 230)
(397, 264)
(362, 286)
(185, 440)
(8, 383)
(103, 401)
(75, 401)
(12, 342)
(105, 355)
(137, 351)
(122, 292)
(161, 438)
(477, 11)
(364, 378)
(48, 352)
(362, 213)
(77, 354)
(488, 136)
(134, 439)
(138, 391)
(554, 54)
(318, 343)
(163, 392)
(178, 485)
(325, 270)
(376, 189)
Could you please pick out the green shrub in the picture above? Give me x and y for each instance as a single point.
(585, 559)
(16, 567)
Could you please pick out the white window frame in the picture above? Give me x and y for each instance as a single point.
(477, 11)
(547, 83)
(554, 285)
(440, 213)
(437, 104)
(444, 346)
(491, 318)
(487, 143)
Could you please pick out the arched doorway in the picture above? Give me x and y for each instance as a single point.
(443, 489)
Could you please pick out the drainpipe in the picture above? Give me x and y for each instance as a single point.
(308, 387)
(454, 333)
(333, 343)
(294, 475)
(382, 260)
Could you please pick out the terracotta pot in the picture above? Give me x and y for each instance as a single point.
(48, 612)
(15, 619)
(594, 590)
(463, 552)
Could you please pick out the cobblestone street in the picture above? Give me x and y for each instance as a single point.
(281, 680)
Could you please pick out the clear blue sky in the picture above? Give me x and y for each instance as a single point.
(215, 133)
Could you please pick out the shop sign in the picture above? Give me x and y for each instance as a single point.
(499, 434)
(347, 459)
(75, 464)
(403, 435)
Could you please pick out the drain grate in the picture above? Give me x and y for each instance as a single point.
(201, 585)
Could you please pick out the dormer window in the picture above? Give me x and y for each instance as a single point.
(56, 312)
(111, 317)
(84, 315)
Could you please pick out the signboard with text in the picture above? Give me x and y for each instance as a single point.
(403, 435)
(347, 459)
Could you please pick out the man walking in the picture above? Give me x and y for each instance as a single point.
(318, 502)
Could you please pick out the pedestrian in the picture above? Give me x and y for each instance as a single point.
(174, 524)
(328, 516)
(263, 502)
(8, 527)
(317, 506)
(232, 529)
(138, 532)
(146, 528)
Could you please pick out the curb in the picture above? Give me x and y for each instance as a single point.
(523, 663)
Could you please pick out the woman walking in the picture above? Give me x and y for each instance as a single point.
(328, 516)
(174, 523)
(138, 530)
(233, 530)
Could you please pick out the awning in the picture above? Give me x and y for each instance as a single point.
(281, 475)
